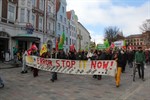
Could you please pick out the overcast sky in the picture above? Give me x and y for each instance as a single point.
(96, 15)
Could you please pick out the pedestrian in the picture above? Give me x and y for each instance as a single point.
(124, 58)
(140, 60)
(118, 57)
(60, 55)
(130, 58)
(24, 66)
(35, 70)
(3, 56)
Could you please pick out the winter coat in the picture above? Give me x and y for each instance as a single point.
(139, 57)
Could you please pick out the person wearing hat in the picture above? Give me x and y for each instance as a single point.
(140, 60)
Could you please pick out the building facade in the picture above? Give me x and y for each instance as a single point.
(62, 22)
(23, 22)
(135, 41)
(72, 27)
(83, 38)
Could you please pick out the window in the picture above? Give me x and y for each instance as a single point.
(63, 9)
(49, 26)
(66, 40)
(33, 20)
(63, 28)
(33, 2)
(61, 18)
(70, 41)
(49, 9)
(40, 23)
(11, 12)
(28, 16)
(66, 30)
(22, 15)
(65, 20)
(42, 4)
(59, 26)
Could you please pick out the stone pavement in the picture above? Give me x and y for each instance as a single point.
(71, 87)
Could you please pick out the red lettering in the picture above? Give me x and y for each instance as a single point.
(105, 64)
(99, 64)
(68, 63)
(112, 63)
(41, 60)
(93, 64)
(50, 62)
(72, 63)
(63, 62)
(57, 62)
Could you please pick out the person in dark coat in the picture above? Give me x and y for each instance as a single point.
(35, 70)
(130, 58)
(124, 57)
(60, 55)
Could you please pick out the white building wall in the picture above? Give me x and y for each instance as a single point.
(85, 41)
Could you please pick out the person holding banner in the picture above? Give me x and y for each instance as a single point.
(24, 68)
(60, 55)
(34, 51)
(118, 57)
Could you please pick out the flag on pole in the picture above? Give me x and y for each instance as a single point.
(106, 43)
(43, 49)
(62, 41)
(56, 44)
(34, 47)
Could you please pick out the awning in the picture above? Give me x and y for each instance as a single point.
(27, 38)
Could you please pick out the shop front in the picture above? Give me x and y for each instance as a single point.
(24, 41)
(4, 45)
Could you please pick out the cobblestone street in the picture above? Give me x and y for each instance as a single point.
(71, 87)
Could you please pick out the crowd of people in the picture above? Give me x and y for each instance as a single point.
(122, 57)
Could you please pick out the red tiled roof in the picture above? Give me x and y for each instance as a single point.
(57, 5)
(135, 36)
(68, 14)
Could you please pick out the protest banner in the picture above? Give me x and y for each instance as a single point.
(81, 67)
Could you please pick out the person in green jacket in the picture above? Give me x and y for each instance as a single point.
(140, 60)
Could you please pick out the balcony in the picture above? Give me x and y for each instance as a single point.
(51, 15)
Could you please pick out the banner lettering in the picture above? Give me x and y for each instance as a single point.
(81, 67)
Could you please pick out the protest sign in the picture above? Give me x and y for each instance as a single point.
(81, 67)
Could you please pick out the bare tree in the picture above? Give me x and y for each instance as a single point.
(111, 33)
(145, 28)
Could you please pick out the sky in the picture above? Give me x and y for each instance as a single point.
(96, 15)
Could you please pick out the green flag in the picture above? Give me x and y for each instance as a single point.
(60, 46)
(106, 43)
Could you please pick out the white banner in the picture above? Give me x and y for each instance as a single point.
(81, 67)
(119, 43)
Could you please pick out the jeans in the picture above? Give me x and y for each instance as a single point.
(141, 68)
